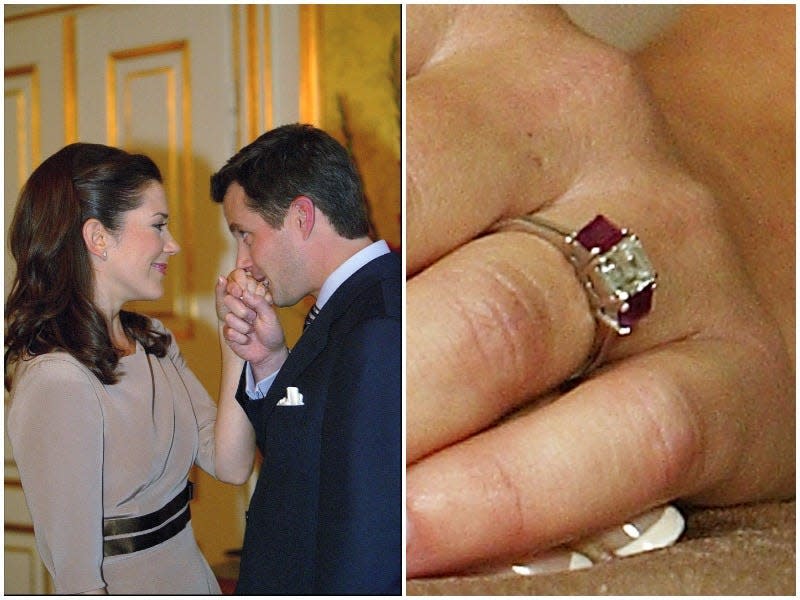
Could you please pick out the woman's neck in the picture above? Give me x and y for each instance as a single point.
(119, 338)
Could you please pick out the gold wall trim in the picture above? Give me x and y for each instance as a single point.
(70, 81)
(310, 93)
(111, 101)
(267, 75)
(181, 46)
(23, 137)
(188, 179)
(160, 48)
(18, 71)
(251, 103)
(17, 528)
(236, 60)
(41, 12)
(173, 189)
(183, 308)
(252, 71)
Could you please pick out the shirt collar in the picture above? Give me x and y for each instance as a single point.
(348, 267)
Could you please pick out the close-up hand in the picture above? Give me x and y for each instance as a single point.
(513, 111)
(250, 324)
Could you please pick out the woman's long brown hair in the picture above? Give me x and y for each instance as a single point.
(51, 305)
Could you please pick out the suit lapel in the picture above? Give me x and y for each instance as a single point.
(315, 337)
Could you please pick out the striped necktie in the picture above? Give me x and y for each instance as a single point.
(312, 314)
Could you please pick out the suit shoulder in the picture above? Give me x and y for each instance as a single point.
(384, 296)
(374, 293)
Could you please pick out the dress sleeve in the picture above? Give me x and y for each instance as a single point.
(55, 424)
(205, 410)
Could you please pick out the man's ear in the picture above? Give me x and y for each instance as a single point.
(303, 213)
(95, 236)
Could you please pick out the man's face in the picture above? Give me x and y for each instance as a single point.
(267, 254)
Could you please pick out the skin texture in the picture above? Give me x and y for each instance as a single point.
(697, 404)
(131, 264)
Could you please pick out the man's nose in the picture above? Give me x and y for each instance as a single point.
(243, 260)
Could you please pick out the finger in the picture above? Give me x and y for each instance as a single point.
(260, 300)
(219, 296)
(235, 336)
(260, 305)
(492, 325)
(261, 289)
(652, 428)
(499, 320)
(234, 289)
(251, 285)
(240, 316)
(240, 281)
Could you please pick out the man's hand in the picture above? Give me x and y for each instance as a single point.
(250, 324)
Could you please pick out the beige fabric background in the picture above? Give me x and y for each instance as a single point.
(744, 550)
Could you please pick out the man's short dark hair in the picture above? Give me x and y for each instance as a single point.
(297, 160)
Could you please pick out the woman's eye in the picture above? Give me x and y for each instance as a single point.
(160, 226)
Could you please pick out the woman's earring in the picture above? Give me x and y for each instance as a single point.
(105, 254)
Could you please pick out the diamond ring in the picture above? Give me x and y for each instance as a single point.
(613, 268)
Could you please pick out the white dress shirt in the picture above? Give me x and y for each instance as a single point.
(257, 391)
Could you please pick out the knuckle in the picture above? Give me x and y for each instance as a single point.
(610, 76)
(668, 426)
(529, 317)
(505, 323)
(503, 487)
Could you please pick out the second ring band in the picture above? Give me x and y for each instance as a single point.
(613, 269)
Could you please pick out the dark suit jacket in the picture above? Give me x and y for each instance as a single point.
(325, 517)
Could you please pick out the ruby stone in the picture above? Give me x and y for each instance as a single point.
(600, 233)
(638, 306)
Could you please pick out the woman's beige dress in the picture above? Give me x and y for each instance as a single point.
(86, 451)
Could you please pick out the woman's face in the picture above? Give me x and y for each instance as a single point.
(138, 254)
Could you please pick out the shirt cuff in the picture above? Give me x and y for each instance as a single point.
(257, 391)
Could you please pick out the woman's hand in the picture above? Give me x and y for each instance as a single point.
(250, 325)
(249, 331)
(512, 111)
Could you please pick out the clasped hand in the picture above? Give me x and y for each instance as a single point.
(250, 325)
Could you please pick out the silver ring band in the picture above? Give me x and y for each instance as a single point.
(613, 269)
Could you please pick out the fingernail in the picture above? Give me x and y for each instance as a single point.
(553, 561)
(664, 532)
(654, 529)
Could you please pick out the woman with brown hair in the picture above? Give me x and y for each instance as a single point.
(105, 419)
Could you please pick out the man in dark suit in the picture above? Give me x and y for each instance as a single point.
(325, 517)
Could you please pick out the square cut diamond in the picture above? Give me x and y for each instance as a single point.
(625, 269)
